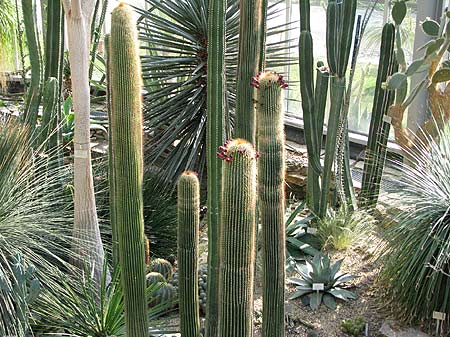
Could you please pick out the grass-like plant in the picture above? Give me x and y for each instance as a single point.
(342, 227)
(417, 256)
(35, 220)
(77, 307)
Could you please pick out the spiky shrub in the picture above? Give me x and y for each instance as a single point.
(416, 269)
(78, 307)
(237, 239)
(125, 74)
(34, 218)
(163, 267)
(271, 172)
(339, 228)
(319, 270)
(188, 236)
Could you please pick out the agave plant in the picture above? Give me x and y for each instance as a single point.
(417, 257)
(35, 221)
(173, 36)
(78, 308)
(320, 282)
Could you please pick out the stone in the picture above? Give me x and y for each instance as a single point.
(391, 329)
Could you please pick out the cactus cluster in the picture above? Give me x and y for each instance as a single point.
(237, 239)
(127, 149)
(202, 287)
(161, 266)
(161, 277)
(271, 180)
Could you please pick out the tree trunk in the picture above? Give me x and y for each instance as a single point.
(87, 241)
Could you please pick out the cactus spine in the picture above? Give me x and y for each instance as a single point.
(379, 130)
(271, 173)
(216, 112)
(188, 236)
(250, 13)
(237, 239)
(128, 166)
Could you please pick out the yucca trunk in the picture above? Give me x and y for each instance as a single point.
(128, 173)
(237, 239)
(188, 236)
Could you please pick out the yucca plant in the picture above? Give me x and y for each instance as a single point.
(417, 255)
(173, 37)
(35, 217)
(79, 308)
(319, 270)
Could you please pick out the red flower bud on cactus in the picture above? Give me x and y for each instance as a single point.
(228, 159)
(257, 155)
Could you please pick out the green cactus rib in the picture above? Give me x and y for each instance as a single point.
(33, 97)
(49, 114)
(339, 33)
(112, 191)
(379, 130)
(250, 13)
(54, 46)
(237, 239)
(125, 72)
(271, 200)
(215, 134)
(188, 236)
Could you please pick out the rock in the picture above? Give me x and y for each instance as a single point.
(390, 329)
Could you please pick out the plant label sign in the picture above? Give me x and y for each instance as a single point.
(440, 316)
(387, 119)
(318, 286)
(81, 154)
(311, 230)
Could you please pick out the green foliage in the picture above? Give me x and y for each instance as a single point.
(78, 307)
(163, 267)
(7, 27)
(338, 229)
(353, 327)
(174, 39)
(416, 270)
(35, 220)
(319, 270)
(160, 216)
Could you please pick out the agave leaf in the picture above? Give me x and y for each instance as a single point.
(304, 271)
(342, 294)
(299, 293)
(329, 301)
(299, 281)
(315, 299)
(343, 278)
(335, 268)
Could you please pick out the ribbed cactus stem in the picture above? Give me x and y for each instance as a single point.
(126, 131)
(237, 239)
(271, 180)
(250, 13)
(188, 236)
(379, 130)
(50, 100)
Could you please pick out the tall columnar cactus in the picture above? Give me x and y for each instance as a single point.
(340, 24)
(313, 104)
(188, 234)
(215, 134)
(237, 239)
(250, 37)
(379, 129)
(271, 180)
(125, 72)
(34, 93)
(47, 133)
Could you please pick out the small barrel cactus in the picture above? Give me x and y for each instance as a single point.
(165, 293)
(154, 277)
(237, 239)
(163, 267)
(271, 173)
(188, 236)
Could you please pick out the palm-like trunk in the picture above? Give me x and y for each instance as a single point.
(88, 243)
